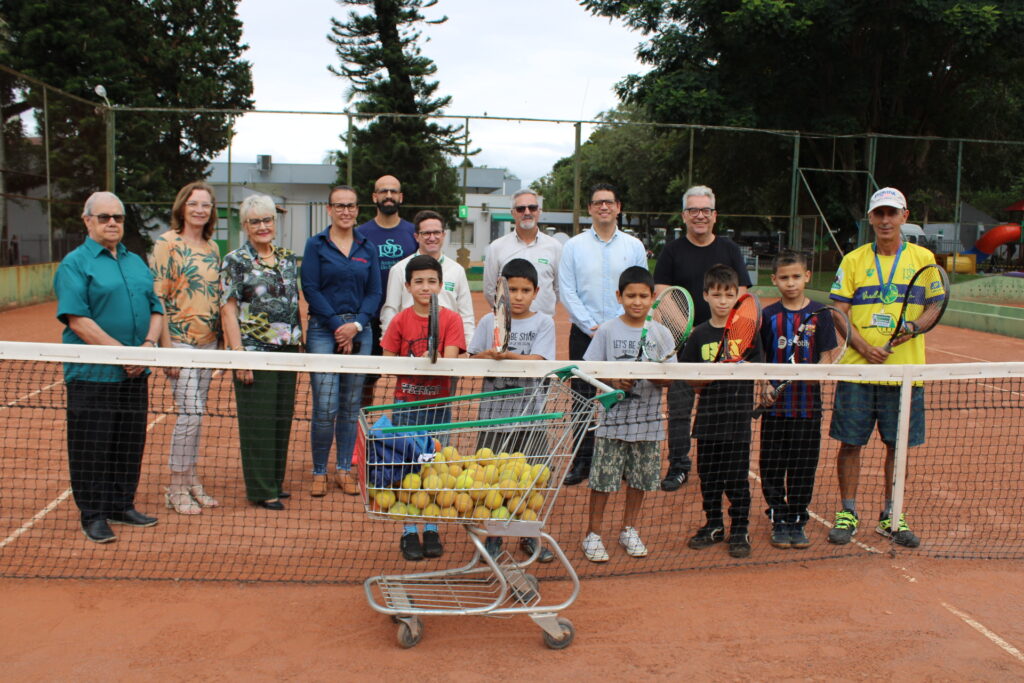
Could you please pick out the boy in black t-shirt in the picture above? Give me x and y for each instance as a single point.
(722, 428)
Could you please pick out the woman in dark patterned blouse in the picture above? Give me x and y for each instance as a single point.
(260, 312)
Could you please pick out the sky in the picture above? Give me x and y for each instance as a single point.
(533, 58)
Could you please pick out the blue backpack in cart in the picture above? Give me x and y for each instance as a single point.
(393, 455)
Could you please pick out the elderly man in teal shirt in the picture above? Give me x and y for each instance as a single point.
(105, 296)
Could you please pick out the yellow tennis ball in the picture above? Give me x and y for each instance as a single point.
(405, 495)
(397, 509)
(479, 492)
(500, 513)
(449, 512)
(432, 482)
(454, 469)
(481, 512)
(411, 481)
(514, 503)
(535, 501)
(494, 499)
(508, 487)
(542, 473)
(385, 499)
(528, 515)
(420, 499)
(432, 510)
(463, 503)
(412, 511)
(448, 481)
(445, 498)
(490, 474)
(450, 453)
(484, 454)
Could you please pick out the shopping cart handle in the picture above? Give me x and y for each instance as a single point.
(608, 398)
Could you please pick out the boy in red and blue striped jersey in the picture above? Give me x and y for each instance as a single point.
(791, 428)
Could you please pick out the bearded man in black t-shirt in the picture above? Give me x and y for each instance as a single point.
(683, 263)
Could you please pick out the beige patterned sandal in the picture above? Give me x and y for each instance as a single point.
(181, 501)
(202, 497)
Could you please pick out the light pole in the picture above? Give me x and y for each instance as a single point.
(109, 116)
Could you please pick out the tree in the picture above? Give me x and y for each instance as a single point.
(387, 73)
(645, 163)
(146, 53)
(844, 67)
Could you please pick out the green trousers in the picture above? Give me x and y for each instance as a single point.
(265, 410)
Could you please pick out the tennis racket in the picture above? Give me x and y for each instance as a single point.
(923, 305)
(828, 326)
(502, 315)
(666, 328)
(433, 330)
(668, 324)
(741, 330)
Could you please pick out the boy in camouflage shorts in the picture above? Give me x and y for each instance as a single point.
(628, 441)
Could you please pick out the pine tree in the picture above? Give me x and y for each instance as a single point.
(387, 73)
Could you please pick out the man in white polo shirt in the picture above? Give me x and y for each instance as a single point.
(526, 242)
(429, 232)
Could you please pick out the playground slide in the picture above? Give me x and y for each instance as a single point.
(999, 235)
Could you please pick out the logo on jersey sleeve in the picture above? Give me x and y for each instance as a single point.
(838, 282)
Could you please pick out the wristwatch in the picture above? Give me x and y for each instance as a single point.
(359, 325)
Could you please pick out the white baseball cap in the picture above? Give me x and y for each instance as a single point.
(888, 196)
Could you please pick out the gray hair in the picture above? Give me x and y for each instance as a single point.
(95, 197)
(256, 203)
(699, 191)
(520, 193)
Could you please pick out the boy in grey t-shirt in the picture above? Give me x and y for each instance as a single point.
(627, 444)
(532, 338)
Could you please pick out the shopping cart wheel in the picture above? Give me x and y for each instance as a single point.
(410, 630)
(568, 633)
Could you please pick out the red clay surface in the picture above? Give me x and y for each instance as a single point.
(813, 620)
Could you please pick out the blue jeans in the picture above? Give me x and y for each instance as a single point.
(421, 416)
(335, 399)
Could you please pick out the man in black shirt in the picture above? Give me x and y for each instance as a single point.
(683, 263)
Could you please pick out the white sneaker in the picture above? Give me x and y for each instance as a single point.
(630, 540)
(593, 548)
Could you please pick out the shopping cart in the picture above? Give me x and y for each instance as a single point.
(492, 462)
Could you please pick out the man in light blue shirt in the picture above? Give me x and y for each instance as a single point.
(588, 275)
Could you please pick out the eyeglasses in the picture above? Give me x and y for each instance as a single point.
(387, 190)
(105, 217)
(339, 206)
(532, 208)
(603, 202)
(254, 222)
(698, 211)
(430, 233)
(206, 206)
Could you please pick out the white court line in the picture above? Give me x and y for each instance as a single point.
(52, 505)
(976, 625)
(961, 355)
(30, 395)
(980, 628)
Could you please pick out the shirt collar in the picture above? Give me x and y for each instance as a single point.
(95, 248)
(250, 250)
(615, 235)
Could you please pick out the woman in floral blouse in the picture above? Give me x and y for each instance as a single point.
(185, 265)
(260, 312)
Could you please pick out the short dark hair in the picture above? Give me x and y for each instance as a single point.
(721, 275)
(426, 215)
(788, 257)
(422, 262)
(335, 188)
(607, 187)
(520, 267)
(635, 275)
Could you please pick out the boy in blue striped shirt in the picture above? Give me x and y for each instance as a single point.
(791, 427)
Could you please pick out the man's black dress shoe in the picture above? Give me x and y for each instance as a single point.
(98, 531)
(131, 518)
(270, 504)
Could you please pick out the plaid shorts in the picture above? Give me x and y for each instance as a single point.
(638, 462)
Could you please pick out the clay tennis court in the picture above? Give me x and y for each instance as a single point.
(834, 618)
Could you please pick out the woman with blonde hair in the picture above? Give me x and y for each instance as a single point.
(186, 270)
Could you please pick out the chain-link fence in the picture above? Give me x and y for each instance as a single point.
(774, 188)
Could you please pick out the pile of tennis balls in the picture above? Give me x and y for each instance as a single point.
(478, 487)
